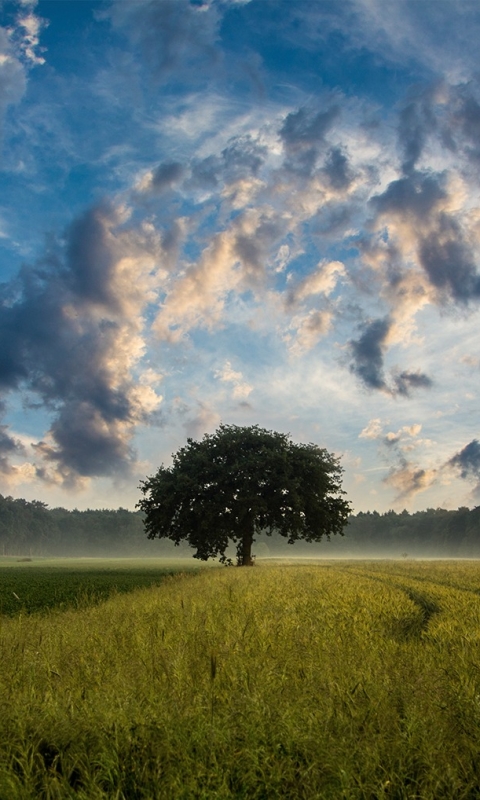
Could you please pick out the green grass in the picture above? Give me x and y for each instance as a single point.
(335, 680)
(44, 584)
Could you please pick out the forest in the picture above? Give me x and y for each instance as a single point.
(30, 528)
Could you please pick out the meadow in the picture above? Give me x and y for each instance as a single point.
(340, 679)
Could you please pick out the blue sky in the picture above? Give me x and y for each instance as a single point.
(249, 212)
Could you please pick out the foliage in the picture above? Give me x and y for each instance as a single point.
(240, 481)
(354, 680)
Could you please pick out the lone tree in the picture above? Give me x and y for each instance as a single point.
(239, 481)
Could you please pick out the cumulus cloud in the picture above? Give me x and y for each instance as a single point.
(337, 169)
(303, 136)
(373, 430)
(75, 334)
(233, 261)
(321, 280)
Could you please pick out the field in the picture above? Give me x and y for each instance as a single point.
(293, 680)
(28, 585)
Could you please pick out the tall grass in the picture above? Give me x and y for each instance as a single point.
(333, 681)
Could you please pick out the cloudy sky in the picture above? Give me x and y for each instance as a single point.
(255, 212)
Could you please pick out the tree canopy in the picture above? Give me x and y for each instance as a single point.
(240, 481)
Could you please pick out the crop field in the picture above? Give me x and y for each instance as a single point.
(29, 585)
(292, 680)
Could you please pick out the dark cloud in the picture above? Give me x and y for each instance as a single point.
(406, 381)
(303, 136)
(87, 441)
(8, 447)
(254, 248)
(417, 121)
(449, 261)
(469, 118)
(62, 325)
(12, 369)
(303, 128)
(460, 127)
(243, 156)
(416, 195)
(368, 352)
(444, 251)
(467, 461)
(337, 169)
(90, 257)
(205, 173)
(166, 175)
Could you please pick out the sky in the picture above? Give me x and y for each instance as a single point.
(249, 212)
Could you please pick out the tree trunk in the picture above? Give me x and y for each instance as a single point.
(244, 549)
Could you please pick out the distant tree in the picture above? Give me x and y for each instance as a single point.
(238, 482)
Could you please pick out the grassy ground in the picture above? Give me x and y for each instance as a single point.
(339, 680)
(33, 585)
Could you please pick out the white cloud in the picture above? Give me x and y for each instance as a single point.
(373, 430)
(240, 388)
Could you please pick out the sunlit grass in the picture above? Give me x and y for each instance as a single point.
(353, 680)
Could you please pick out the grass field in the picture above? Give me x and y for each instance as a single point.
(329, 680)
(33, 585)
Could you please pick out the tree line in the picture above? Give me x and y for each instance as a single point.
(30, 528)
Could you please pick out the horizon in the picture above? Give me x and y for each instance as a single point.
(239, 211)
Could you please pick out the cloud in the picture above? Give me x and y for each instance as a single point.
(176, 38)
(18, 52)
(406, 381)
(309, 328)
(467, 463)
(303, 136)
(28, 35)
(205, 421)
(416, 122)
(372, 431)
(409, 479)
(75, 324)
(449, 260)
(9, 446)
(240, 388)
(368, 352)
(321, 280)
(413, 198)
(162, 178)
(234, 261)
(337, 170)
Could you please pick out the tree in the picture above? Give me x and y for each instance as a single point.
(238, 482)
